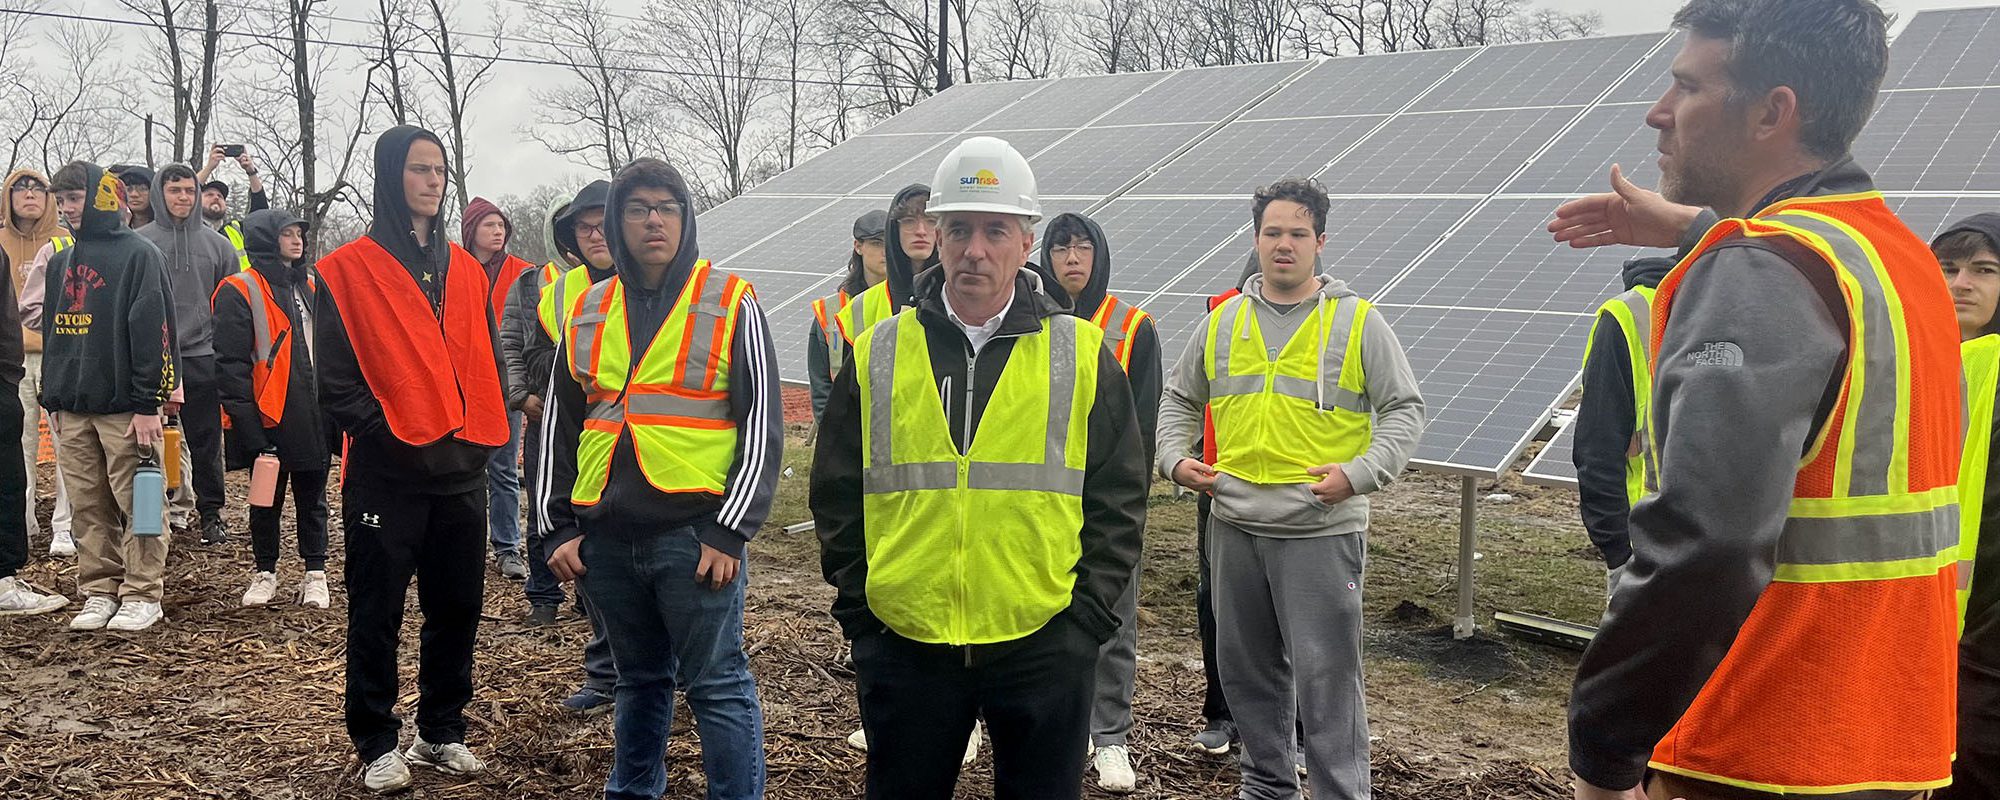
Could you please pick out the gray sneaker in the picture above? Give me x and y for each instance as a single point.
(512, 567)
(386, 774)
(1216, 738)
(453, 758)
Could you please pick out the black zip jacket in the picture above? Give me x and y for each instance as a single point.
(107, 327)
(1147, 375)
(1115, 473)
(300, 437)
(1604, 426)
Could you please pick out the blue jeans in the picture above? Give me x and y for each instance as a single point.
(503, 491)
(669, 632)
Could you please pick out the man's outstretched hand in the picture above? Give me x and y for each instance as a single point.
(1626, 215)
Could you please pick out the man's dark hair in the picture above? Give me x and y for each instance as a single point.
(1962, 246)
(1064, 230)
(73, 177)
(1304, 191)
(648, 173)
(176, 172)
(1832, 53)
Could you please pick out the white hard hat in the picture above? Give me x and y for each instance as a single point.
(984, 174)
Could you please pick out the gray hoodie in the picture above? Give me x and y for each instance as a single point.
(1291, 510)
(197, 260)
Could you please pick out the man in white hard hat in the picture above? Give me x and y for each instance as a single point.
(979, 502)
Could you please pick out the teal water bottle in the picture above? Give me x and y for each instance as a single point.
(149, 497)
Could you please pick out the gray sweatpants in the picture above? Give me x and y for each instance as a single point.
(1117, 668)
(1288, 636)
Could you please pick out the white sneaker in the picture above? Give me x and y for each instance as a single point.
(18, 599)
(61, 543)
(971, 746)
(263, 587)
(389, 773)
(858, 739)
(453, 758)
(137, 615)
(1114, 769)
(97, 612)
(313, 593)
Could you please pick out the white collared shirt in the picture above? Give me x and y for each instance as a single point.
(979, 335)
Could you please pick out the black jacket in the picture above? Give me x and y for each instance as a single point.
(107, 328)
(301, 436)
(446, 467)
(1116, 474)
(902, 269)
(1604, 426)
(1146, 374)
(527, 350)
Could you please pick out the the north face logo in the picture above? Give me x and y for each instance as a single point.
(1717, 354)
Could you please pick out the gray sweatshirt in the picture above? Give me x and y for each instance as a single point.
(1291, 510)
(198, 259)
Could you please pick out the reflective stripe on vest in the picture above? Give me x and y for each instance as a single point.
(978, 547)
(561, 288)
(1279, 412)
(674, 402)
(62, 243)
(1120, 323)
(271, 344)
(826, 313)
(1632, 312)
(235, 233)
(1981, 358)
(1839, 681)
(864, 310)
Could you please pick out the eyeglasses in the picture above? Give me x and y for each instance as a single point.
(29, 186)
(639, 212)
(1085, 249)
(589, 231)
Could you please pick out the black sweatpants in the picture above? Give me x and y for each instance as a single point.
(918, 702)
(308, 507)
(392, 535)
(201, 423)
(1976, 773)
(1214, 706)
(13, 484)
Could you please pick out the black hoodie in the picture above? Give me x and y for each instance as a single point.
(446, 467)
(108, 334)
(1979, 646)
(1604, 426)
(529, 350)
(902, 271)
(301, 436)
(1145, 374)
(630, 506)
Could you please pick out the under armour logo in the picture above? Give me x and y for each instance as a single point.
(1717, 354)
(372, 520)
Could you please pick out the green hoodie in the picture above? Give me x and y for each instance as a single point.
(107, 333)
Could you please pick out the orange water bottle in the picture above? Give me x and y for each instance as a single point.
(264, 480)
(170, 456)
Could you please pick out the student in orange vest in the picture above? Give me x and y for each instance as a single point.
(270, 396)
(1787, 624)
(407, 365)
(486, 232)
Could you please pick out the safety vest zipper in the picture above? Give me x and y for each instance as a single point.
(964, 470)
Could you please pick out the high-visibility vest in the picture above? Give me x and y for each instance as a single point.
(503, 283)
(1120, 323)
(1841, 681)
(435, 377)
(864, 310)
(1281, 411)
(561, 287)
(1981, 358)
(674, 402)
(826, 315)
(271, 343)
(62, 243)
(1632, 312)
(979, 547)
(235, 233)
(1208, 454)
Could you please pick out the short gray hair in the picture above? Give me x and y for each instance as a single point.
(1831, 53)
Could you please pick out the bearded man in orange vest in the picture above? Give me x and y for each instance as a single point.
(1787, 624)
(406, 356)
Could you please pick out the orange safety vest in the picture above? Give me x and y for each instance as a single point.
(271, 334)
(510, 271)
(828, 320)
(1120, 323)
(1842, 679)
(434, 378)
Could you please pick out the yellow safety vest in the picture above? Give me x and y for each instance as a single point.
(864, 310)
(1981, 360)
(1632, 311)
(674, 402)
(979, 547)
(1120, 323)
(1278, 412)
(826, 320)
(561, 286)
(61, 243)
(234, 231)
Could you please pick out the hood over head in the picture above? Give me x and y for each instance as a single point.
(103, 208)
(476, 212)
(1646, 271)
(1092, 296)
(872, 226)
(48, 227)
(1987, 225)
(614, 223)
(260, 243)
(902, 272)
(594, 195)
(394, 227)
(550, 246)
(133, 173)
(159, 205)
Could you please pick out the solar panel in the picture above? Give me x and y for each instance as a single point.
(1503, 258)
(921, 166)
(1479, 371)
(1246, 154)
(1565, 72)
(957, 108)
(1552, 466)
(1928, 216)
(1647, 83)
(1581, 159)
(1371, 241)
(1933, 141)
(1104, 159)
(1946, 48)
(1154, 240)
(729, 228)
(848, 165)
(1372, 84)
(1201, 95)
(1074, 102)
(1445, 153)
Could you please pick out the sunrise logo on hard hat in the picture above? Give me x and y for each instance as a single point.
(984, 177)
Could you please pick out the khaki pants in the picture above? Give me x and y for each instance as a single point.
(97, 460)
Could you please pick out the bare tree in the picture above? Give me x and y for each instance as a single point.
(596, 116)
(65, 106)
(798, 28)
(1110, 32)
(895, 44)
(459, 77)
(282, 113)
(188, 49)
(397, 32)
(1021, 37)
(723, 58)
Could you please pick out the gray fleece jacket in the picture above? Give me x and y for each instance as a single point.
(1291, 510)
(197, 259)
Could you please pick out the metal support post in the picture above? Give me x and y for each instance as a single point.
(1462, 625)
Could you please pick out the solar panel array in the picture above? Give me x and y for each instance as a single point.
(1930, 145)
(1443, 166)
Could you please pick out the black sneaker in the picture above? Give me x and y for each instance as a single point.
(541, 616)
(214, 533)
(1216, 739)
(588, 702)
